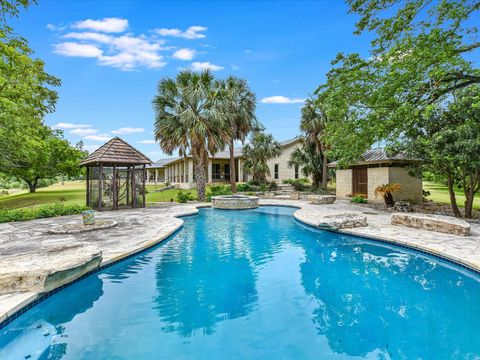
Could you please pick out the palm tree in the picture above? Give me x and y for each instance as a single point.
(188, 118)
(307, 158)
(262, 148)
(313, 123)
(238, 108)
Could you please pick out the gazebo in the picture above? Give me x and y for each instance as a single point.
(116, 176)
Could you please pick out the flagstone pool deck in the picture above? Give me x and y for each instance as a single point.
(33, 261)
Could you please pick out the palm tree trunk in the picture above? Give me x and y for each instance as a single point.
(233, 183)
(200, 178)
(324, 172)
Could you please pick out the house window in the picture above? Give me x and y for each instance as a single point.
(216, 172)
(275, 172)
(296, 171)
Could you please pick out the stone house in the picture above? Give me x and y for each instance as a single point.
(377, 168)
(179, 171)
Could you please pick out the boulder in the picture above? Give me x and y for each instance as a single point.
(439, 223)
(402, 206)
(321, 199)
(343, 221)
(295, 195)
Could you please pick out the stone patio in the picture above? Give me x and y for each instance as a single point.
(33, 261)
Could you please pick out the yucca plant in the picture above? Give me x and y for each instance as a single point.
(386, 191)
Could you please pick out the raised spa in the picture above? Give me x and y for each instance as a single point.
(235, 202)
(257, 284)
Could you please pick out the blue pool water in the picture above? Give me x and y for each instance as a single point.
(257, 284)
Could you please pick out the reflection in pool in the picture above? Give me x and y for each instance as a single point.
(258, 284)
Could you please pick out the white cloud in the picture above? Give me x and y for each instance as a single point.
(83, 131)
(103, 38)
(128, 130)
(247, 51)
(199, 66)
(193, 32)
(235, 67)
(109, 25)
(78, 50)
(62, 125)
(125, 52)
(147, 142)
(281, 100)
(184, 54)
(100, 137)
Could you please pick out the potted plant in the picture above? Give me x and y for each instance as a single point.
(386, 191)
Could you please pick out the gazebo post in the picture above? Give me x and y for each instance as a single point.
(128, 186)
(114, 188)
(88, 186)
(144, 177)
(134, 189)
(100, 186)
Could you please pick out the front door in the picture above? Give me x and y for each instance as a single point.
(360, 180)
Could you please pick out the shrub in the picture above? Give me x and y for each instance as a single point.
(292, 181)
(359, 200)
(216, 190)
(272, 186)
(244, 187)
(43, 211)
(184, 196)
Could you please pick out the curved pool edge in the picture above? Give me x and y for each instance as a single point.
(22, 302)
(31, 299)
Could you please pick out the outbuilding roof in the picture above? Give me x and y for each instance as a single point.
(379, 155)
(117, 151)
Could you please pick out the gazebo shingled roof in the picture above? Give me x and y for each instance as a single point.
(116, 151)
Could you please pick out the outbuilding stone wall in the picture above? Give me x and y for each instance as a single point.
(344, 182)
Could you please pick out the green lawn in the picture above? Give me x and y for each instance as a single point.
(74, 192)
(71, 192)
(439, 193)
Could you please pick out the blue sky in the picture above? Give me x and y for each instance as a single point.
(110, 56)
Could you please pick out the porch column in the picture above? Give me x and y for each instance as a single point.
(240, 170)
(156, 175)
(209, 170)
(190, 171)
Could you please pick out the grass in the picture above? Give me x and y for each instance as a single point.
(167, 195)
(439, 193)
(73, 192)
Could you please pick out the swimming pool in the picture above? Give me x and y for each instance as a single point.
(258, 284)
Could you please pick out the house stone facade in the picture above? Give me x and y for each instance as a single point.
(179, 171)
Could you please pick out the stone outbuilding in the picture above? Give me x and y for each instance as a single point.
(377, 168)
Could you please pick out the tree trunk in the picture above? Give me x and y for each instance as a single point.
(32, 185)
(233, 184)
(324, 172)
(315, 181)
(200, 178)
(453, 199)
(469, 197)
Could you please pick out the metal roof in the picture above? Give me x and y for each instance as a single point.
(378, 155)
